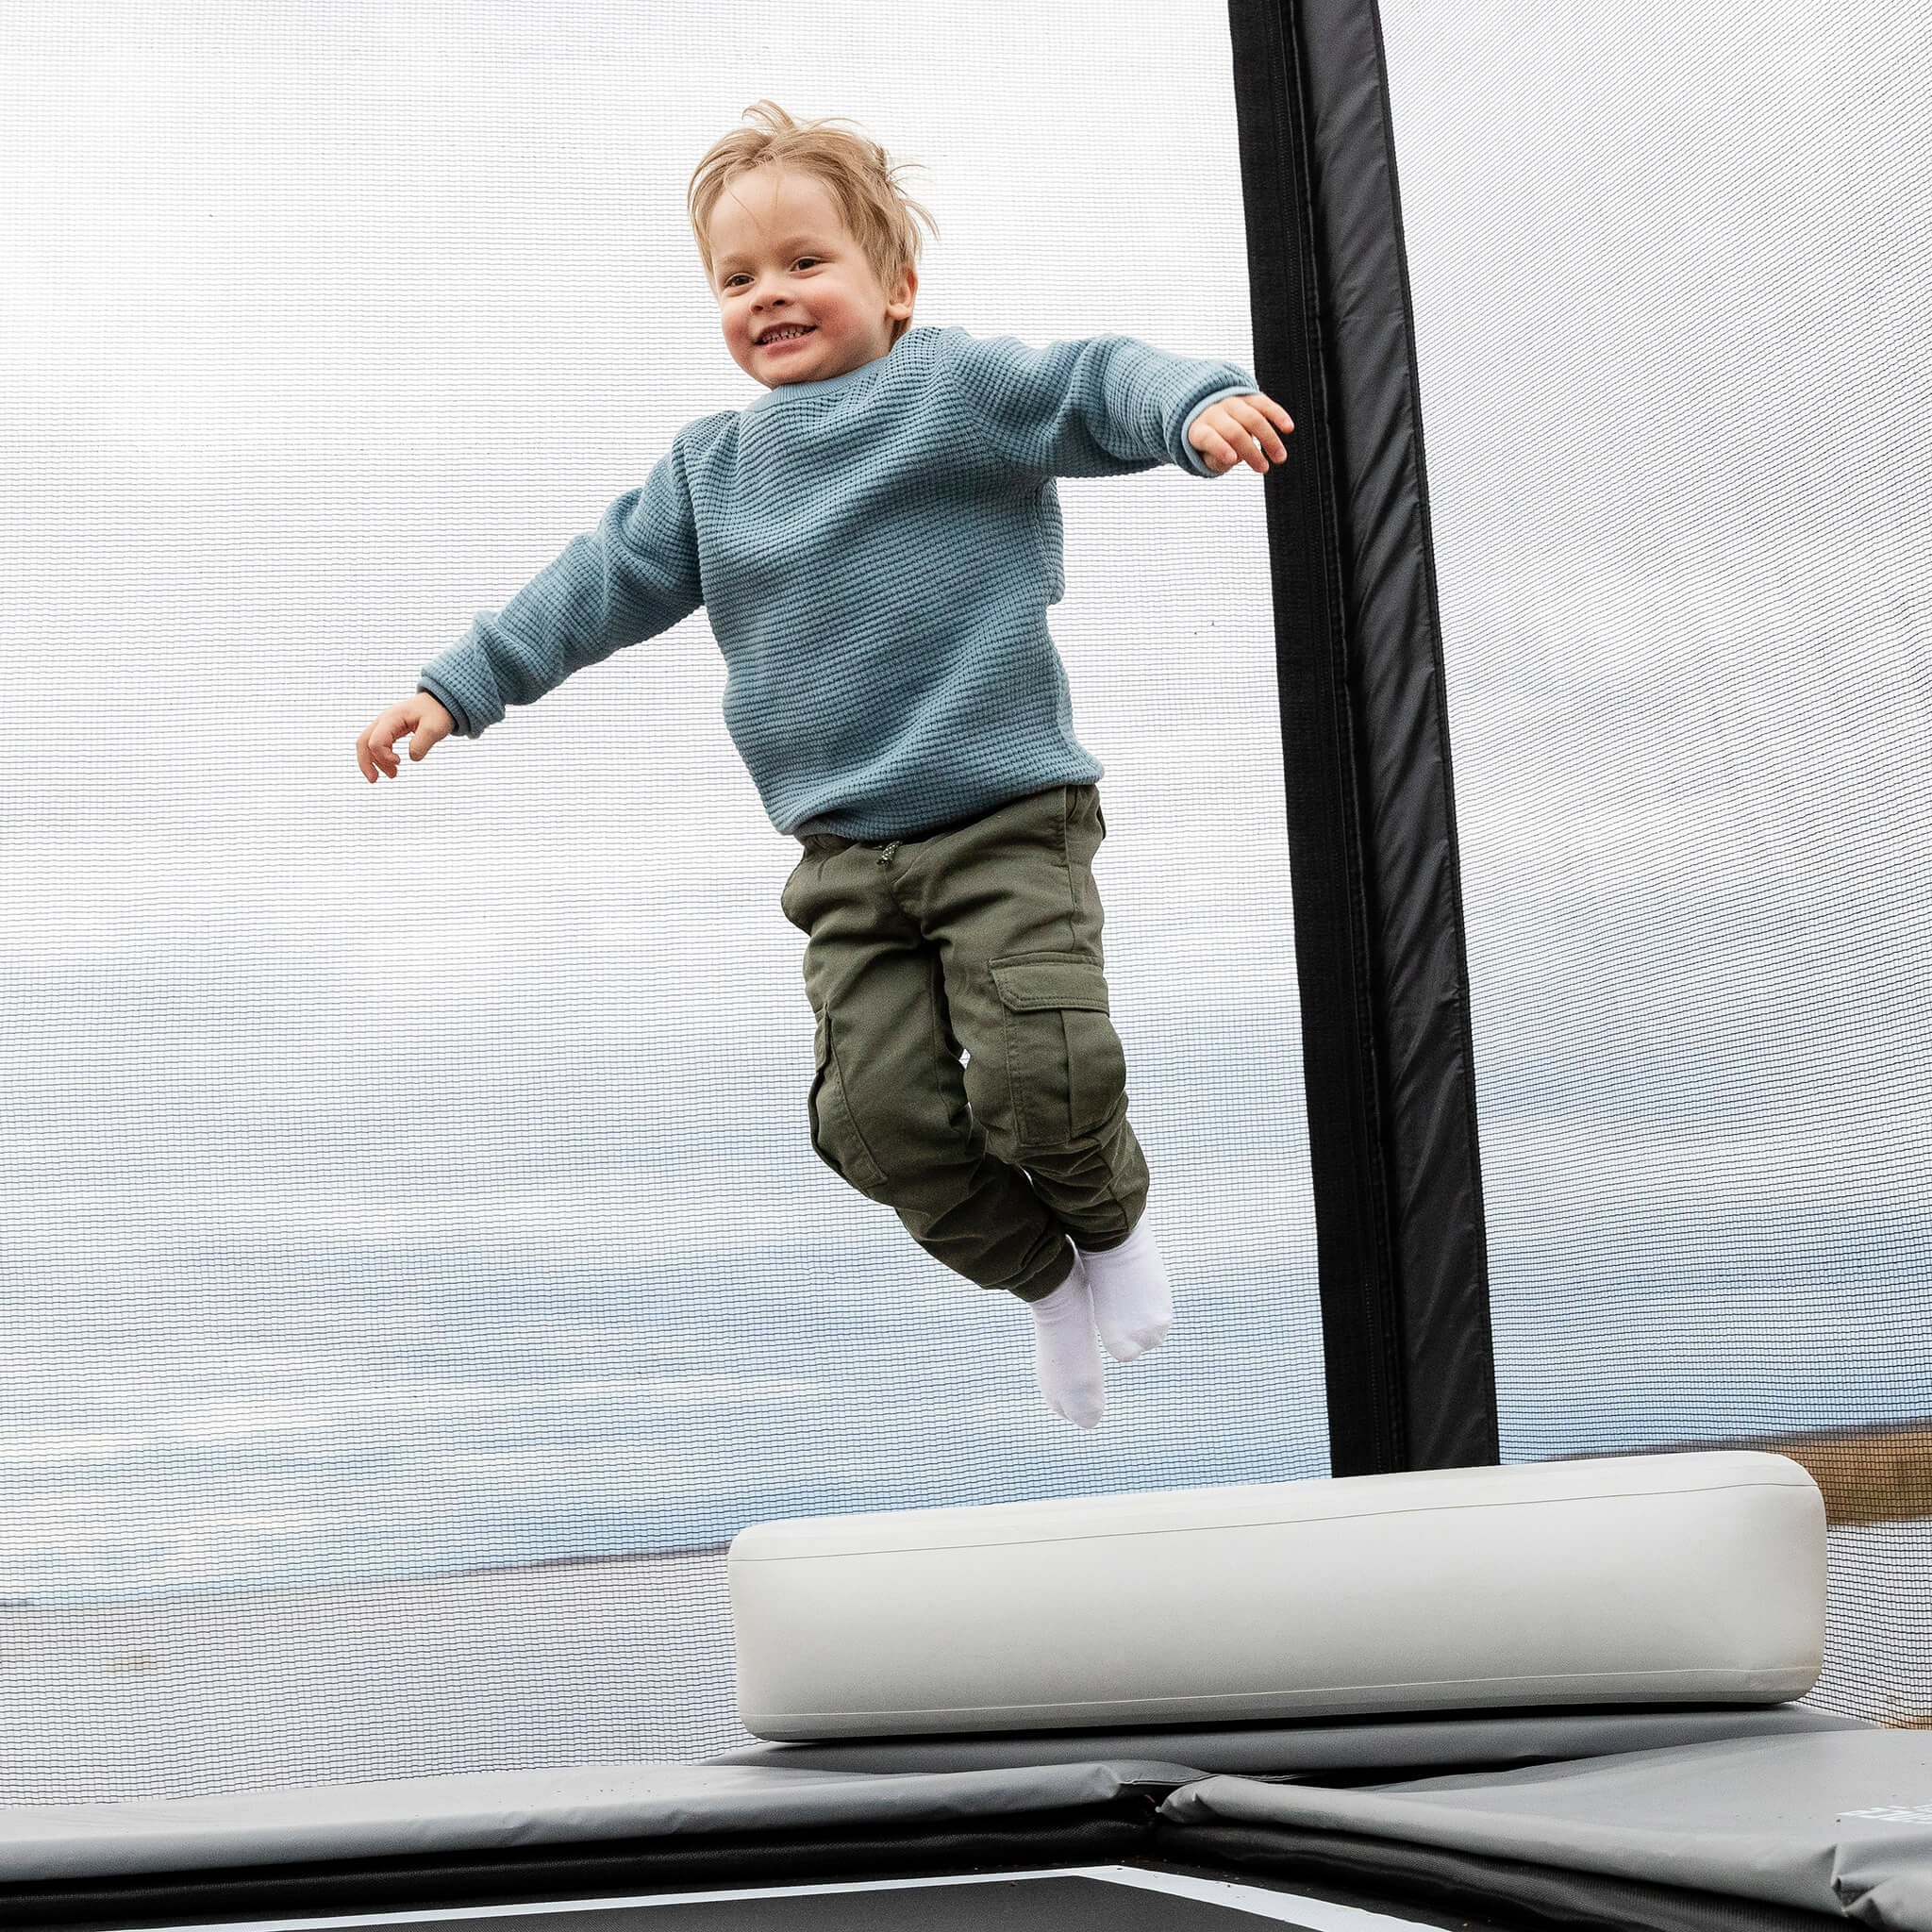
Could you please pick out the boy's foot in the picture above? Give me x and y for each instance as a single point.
(1133, 1306)
(1066, 1364)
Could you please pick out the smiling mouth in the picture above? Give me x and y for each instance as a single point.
(784, 341)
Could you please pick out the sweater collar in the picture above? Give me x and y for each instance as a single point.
(830, 384)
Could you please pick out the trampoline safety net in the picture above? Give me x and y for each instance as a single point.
(416, 1265)
(1669, 274)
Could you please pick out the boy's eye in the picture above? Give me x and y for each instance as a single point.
(803, 257)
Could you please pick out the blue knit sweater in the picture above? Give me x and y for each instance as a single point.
(877, 553)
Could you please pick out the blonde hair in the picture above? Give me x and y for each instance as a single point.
(860, 176)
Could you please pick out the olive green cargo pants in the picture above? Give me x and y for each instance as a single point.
(986, 934)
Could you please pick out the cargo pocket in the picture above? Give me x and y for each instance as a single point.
(835, 1138)
(1064, 1060)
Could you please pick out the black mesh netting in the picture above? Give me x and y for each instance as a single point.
(406, 1194)
(416, 1265)
(1668, 268)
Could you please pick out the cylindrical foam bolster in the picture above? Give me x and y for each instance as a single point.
(1652, 1579)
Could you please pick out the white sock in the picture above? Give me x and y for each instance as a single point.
(1133, 1306)
(1066, 1364)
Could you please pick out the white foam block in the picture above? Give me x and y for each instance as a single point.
(1653, 1579)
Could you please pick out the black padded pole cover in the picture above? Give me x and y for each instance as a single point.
(1386, 1046)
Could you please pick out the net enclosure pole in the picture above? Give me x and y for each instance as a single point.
(1388, 1056)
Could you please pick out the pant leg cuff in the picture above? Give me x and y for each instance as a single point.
(1049, 1278)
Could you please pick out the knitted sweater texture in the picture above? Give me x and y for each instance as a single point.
(875, 553)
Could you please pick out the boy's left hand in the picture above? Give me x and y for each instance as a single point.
(1240, 430)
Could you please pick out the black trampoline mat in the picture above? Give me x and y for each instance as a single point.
(1021, 1903)
(1008, 1902)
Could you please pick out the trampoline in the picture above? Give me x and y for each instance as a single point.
(468, 1460)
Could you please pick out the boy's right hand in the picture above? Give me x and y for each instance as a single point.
(420, 719)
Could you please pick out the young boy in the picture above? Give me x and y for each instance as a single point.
(876, 541)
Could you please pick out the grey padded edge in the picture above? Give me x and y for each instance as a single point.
(1367, 1744)
(1831, 1822)
(495, 1810)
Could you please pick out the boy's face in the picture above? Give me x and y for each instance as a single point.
(781, 255)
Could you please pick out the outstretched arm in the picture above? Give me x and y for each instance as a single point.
(1103, 406)
(634, 575)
